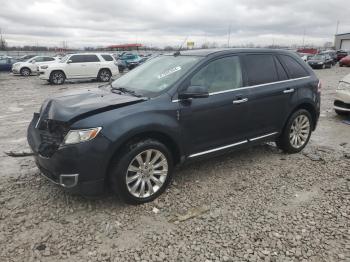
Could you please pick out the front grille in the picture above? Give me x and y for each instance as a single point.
(341, 104)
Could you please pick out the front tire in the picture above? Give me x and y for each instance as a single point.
(57, 78)
(141, 171)
(25, 71)
(296, 133)
(104, 75)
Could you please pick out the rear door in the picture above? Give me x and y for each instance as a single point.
(270, 94)
(219, 121)
(92, 65)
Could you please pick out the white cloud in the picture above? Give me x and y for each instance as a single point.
(159, 22)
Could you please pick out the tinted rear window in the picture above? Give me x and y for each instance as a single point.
(91, 58)
(294, 69)
(260, 69)
(107, 57)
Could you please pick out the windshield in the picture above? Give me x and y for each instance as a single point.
(156, 75)
(64, 59)
(318, 57)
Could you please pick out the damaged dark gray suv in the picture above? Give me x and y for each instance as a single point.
(129, 135)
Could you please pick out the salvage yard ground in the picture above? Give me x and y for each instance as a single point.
(255, 205)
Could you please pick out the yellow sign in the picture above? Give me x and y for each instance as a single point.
(190, 45)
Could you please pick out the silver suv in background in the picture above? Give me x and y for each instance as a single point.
(80, 66)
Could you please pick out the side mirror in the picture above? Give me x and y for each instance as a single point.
(194, 92)
(69, 61)
(33, 61)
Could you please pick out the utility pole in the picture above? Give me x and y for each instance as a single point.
(229, 35)
(337, 28)
(304, 38)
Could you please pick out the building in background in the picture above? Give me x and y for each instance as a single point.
(342, 41)
(125, 47)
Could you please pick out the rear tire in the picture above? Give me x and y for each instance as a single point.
(141, 171)
(104, 75)
(296, 133)
(25, 71)
(57, 78)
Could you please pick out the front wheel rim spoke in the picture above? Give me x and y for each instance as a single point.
(150, 187)
(132, 178)
(142, 189)
(156, 180)
(135, 186)
(146, 173)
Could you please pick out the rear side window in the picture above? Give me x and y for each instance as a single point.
(77, 59)
(49, 59)
(91, 58)
(294, 69)
(107, 57)
(260, 69)
(282, 75)
(220, 75)
(39, 59)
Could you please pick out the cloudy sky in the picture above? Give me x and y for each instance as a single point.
(163, 22)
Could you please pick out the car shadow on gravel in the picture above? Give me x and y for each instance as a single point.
(185, 175)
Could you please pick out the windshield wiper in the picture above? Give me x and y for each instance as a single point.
(125, 90)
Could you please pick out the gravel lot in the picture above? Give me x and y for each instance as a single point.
(253, 205)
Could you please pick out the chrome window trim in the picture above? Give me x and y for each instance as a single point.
(250, 87)
(263, 136)
(218, 149)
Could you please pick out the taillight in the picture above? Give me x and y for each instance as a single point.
(319, 86)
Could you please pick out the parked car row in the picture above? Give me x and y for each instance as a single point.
(80, 66)
(326, 59)
(29, 66)
(130, 61)
(72, 66)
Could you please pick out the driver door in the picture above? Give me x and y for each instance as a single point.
(220, 120)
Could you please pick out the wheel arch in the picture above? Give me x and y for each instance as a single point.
(162, 137)
(310, 108)
(58, 70)
(25, 67)
(104, 68)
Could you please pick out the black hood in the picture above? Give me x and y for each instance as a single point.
(74, 105)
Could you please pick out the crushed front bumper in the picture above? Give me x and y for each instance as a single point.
(79, 168)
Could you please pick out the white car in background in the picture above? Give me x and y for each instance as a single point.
(30, 66)
(80, 66)
(342, 97)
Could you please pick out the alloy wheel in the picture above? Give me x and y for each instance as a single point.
(25, 72)
(57, 78)
(105, 76)
(146, 174)
(299, 131)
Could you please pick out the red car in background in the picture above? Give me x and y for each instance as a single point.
(341, 54)
(345, 61)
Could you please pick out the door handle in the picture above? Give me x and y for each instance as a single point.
(240, 101)
(83, 65)
(289, 90)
